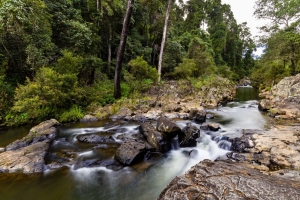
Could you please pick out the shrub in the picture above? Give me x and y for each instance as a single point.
(45, 96)
(74, 114)
(185, 69)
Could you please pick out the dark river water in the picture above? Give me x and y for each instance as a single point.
(143, 181)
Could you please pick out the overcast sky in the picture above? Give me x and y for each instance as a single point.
(243, 12)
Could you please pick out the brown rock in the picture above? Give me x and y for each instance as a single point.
(225, 180)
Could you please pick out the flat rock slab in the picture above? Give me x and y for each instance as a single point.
(27, 154)
(228, 180)
(29, 159)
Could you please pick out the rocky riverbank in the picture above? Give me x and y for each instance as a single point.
(283, 100)
(175, 99)
(27, 154)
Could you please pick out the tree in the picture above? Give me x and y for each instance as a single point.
(163, 41)
(25, 35)
(283, 38)
(121, 49)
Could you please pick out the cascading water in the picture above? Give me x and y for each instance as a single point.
(92, 172)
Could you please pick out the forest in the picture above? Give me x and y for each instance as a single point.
(59, 58)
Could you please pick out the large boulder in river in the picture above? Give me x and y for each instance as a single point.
(198, 115)
(95, 138)
(27, 154)
(169, 128)
(226, 180)
(155, 139)
(131, 152)
(189, 135)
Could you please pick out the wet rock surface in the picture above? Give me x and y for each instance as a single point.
(169, 128)
(156, 139)
(189, 135)
(27, 154)
(228, 180)
(95, 138)
(131, 152)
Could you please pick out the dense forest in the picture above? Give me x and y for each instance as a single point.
(60, 57)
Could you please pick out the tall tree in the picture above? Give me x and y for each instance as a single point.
(163, 41)
(121, 49)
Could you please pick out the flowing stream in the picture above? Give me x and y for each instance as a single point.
(85, 178)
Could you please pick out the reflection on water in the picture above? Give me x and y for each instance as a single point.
(141, 181)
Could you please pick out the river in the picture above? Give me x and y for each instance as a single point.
(84, 177)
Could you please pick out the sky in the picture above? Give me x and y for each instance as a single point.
(243, 12)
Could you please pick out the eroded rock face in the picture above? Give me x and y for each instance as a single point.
(284, 98)
(226, 180)
(27, 154)
(155, 139)
(130, 152)
(276, 148)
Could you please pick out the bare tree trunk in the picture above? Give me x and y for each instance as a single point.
(97, 5)
(164, 39)
(121, 49)
(109, 44)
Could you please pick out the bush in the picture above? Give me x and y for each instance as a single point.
(185, 69)
(6, 94)
(74, 114)
(140, 77)
(45, 97)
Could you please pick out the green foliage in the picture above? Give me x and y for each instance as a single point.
(211, 81)
(140, 77)
(185, 69)
(45, 96)
(68, 63)
(140, 69)
(202, 55)
(268, 73)
(6, 94)
(74, 114)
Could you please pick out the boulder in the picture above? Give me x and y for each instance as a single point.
(89, 118)
(188, 136)
(169, 128)
(130, 152)
(264, 105)
(210, 126)
(156, 139)
(2, 149)
(198, 115)
(228, 180)
(94, 138)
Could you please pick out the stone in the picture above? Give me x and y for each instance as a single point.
(27, 154)
(198, 116)
(188, 136)
(29, 159)
(89, 118)
(214, 126)
(94, 138)
(155, 139)
(130, 152)
(228, 180)
(2, 149)
(169, 128)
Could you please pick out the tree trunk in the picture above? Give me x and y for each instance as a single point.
(121, 49)
(164, 39)
(109, 46)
